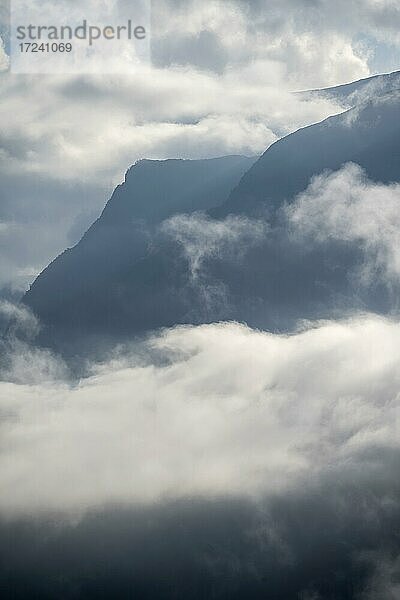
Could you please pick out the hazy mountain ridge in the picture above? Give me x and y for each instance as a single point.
(350, 94)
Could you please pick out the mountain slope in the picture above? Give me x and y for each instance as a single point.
(125, 279)
(367, 135)
(78, 291)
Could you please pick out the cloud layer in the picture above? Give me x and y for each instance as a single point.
(209, 410)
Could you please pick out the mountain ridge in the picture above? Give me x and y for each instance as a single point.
(126, 277)
(323, 152)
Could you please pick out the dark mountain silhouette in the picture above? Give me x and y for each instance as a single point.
(156, 189)
(76, 289)
(126, 277)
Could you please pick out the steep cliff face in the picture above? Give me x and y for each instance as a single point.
(83, 289)
(156, 189)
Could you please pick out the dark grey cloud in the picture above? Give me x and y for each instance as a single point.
(330, 541)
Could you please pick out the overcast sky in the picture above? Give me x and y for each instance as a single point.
(219, 83)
